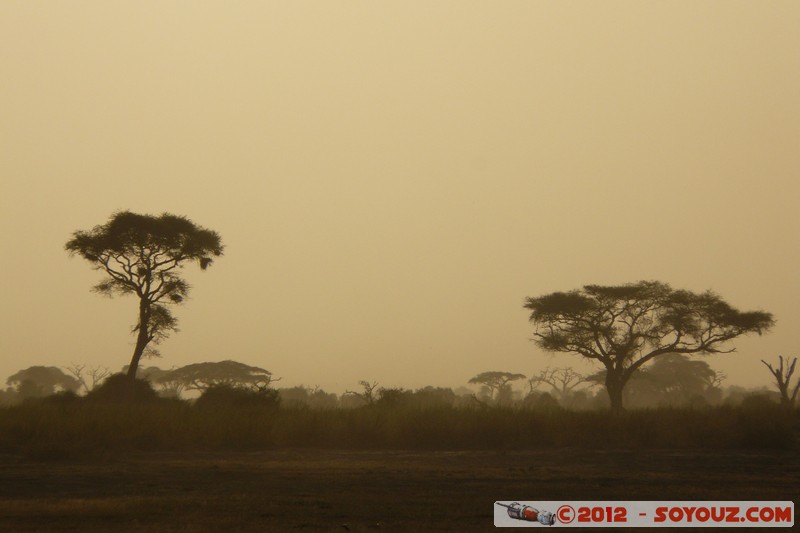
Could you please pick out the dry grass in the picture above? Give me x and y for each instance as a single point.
(53, 430)
(307, 490)
(170, 466)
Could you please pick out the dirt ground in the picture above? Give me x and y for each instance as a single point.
(311, 490)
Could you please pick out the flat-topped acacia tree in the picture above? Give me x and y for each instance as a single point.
(625, 326)
(495, 382)
(143, 255)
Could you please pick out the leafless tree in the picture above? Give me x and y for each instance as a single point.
(89, 378)
(562, 381)
(369, 391)
(783, 377)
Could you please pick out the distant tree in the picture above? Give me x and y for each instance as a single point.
(369, 394)
(88, 377)
(351, 401)
(496, 383)
(678, 377)
(42, 381)
(294, 396)
(434, 397)
(540, 401)
(307, 397)
(783, 378)
(625, 326)
(562, 382)
(9, 396)
(166, 384)
(319, 399)
(673, 379)
(202, 376)
(143, 255)
(734, 395)
(398, 397)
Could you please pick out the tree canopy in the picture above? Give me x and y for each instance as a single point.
(625, 326)
(562, 381)
(202, 376)
(42, 381)
(496, 383)
(142, 255)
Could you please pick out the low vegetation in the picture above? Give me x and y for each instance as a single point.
(117, 417)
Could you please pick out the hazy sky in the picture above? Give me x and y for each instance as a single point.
(392, 179)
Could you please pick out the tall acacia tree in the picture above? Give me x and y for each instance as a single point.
(143, 255)
(625, 326)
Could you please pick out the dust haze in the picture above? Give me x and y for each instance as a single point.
(393, 180)
(442, 223)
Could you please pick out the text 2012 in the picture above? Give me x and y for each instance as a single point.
(602, 514)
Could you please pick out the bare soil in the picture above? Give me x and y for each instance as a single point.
(311, 490)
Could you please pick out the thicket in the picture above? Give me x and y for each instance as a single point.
(66, 425)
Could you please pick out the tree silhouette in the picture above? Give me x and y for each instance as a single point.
(88, 378)
(625, 326)
(143, 255)
(42, 381)
(369, 395)
(203, 376)
(672, 379)
(162, 380)
(308, 397)
(562, 381)
(495, 382)
(783, 377)
(678, 376)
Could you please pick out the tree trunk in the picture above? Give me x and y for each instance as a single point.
(614, 387)
(142, 339)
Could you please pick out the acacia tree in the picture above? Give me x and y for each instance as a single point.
(203, 376)
(625, 326)
(143, 255)
(495, 382)
(42, 381)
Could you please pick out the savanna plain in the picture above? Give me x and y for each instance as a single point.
(169, 467)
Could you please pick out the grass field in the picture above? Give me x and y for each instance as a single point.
(87, 466)
(323, 490)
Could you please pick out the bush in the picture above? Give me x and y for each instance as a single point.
(540, 401)
(119, 388)
(66, 397)
(229, 397)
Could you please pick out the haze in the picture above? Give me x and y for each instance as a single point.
(391, 180)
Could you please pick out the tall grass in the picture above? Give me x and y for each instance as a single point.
(49, 429)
